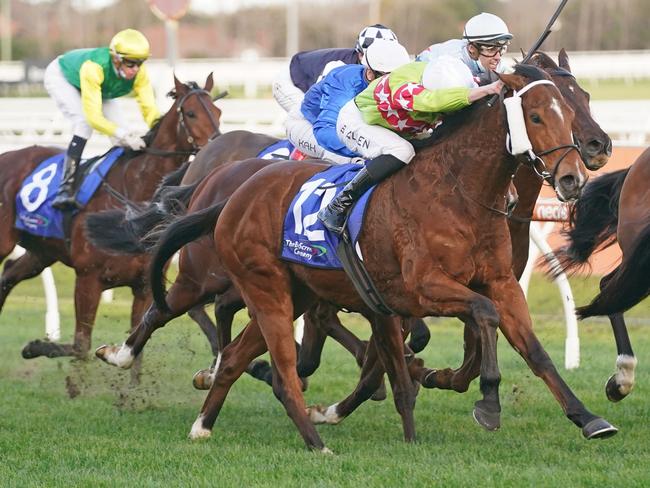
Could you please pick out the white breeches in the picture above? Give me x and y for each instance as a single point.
(301, 135)
(288, 95)
(68, 100)
(370, 141)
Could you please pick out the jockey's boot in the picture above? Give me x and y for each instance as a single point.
(334, 215)
(66, 196)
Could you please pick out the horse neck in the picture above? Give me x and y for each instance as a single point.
(148, 169)
(475, 157)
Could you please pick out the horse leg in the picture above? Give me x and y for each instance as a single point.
(420, 335)
(16, 270)
(226, 305)
(234, 359)
(517, 328)
(620, 384)
(390, 348)
(141, 301)
(459, 379)
(200, 316)
(182, 296)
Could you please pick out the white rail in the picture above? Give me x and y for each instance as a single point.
(547, 213)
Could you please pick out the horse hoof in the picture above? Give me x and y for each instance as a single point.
(202, 379)
(599, 428)
(488, 420)
(35, 349)
(101, 352)
(323, 415)
(612, 390)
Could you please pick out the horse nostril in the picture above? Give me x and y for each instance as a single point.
(570, 184)
(594, 147)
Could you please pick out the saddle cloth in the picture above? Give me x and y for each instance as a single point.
(305, 239)
(34, 211)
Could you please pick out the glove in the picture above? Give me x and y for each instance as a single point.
(134, 141)
(128, 139)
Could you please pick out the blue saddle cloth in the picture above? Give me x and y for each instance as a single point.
(305, 239)
(279, 150)
(34, 211)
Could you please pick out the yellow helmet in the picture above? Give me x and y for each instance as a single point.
(130, 43)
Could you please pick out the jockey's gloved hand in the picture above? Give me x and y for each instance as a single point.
(134, 141)
(129, 139)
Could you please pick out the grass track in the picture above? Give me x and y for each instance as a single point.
(115, 435)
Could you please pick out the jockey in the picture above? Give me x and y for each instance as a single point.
(312, 129)
(406, 102)
(83, 83)
(485, 40)
(306, 67)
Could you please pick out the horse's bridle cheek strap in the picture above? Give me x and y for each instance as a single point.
(181, 117)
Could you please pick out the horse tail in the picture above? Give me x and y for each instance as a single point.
(627, 285)
(182, 231)
(592, 221)
(139, 227)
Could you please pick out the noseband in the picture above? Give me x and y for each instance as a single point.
(535, 160)
(181, 118)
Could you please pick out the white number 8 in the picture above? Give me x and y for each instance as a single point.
(40, 181)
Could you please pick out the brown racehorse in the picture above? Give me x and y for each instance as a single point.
(616, 209)
(192, 120)
(595, 149)
(197, 280)
(425, 265)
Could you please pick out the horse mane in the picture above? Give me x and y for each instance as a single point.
(151, 133)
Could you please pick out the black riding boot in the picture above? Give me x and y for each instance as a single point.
(333, 216)
(66, 196)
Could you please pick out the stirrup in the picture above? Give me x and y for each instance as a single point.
(334, 221)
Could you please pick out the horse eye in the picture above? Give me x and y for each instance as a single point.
(191, 114)
(536, 119)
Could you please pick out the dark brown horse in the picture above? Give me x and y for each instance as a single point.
(191, 121)
(457, 266)
(616, 209)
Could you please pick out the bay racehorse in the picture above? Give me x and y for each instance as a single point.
(191, 121)
(616, 209)
(424, 265)
(595, 150)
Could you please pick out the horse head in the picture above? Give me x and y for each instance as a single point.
(595, 145)
(192, 120)
(548, 120)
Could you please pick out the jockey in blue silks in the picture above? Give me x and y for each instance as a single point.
(308, 67)
(312, 129)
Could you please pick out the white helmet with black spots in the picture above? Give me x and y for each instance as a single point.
(384, 56)
(487, 28)
(368, 35)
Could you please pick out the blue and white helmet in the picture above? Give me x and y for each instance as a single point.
(368, 35)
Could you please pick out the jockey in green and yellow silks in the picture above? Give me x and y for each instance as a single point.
(84, 83)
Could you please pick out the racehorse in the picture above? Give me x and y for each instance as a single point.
(424, 265)
(191, 121)
(616, 209)
(595, 150)
(195, 283)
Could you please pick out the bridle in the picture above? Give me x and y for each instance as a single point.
(534, 160)
(181, 116)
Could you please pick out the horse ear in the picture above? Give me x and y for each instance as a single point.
(512, 81)
(563, 60)
(179, 86)
(209, 83)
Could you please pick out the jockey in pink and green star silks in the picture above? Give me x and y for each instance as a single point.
(400, 102)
